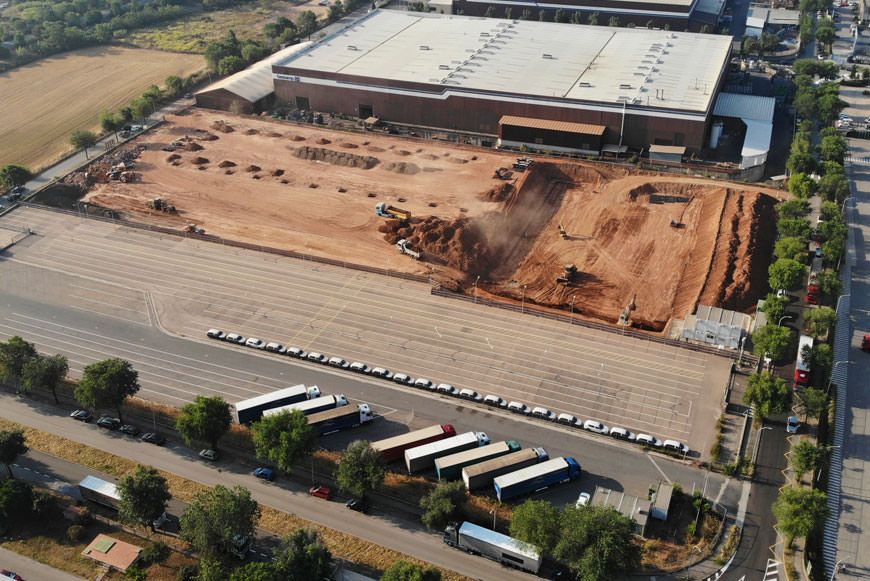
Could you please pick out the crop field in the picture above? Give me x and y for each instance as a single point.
(44, 102)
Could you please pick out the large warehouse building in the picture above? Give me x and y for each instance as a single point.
(538, 83)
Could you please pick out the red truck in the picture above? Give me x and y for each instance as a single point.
(865, 343)
(393, 449)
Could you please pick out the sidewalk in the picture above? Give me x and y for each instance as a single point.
(30, 569)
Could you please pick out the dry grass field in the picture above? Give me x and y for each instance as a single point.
(46, 101)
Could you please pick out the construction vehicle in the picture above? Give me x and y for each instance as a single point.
(569, 276)
(865, 343)
(194, 229)
(161, 205)
(503, 173)
(523, 163)
(563, 233)
(405, 248)
(385, 210)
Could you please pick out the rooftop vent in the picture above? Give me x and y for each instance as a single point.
(444, 67)
(351, 47)
(584, 84)
(625, 86)
(547, 55)
(424, 47)
(484, 34)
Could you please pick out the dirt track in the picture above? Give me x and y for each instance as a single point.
(314, 190)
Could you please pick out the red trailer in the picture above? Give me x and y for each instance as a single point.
(393, 449)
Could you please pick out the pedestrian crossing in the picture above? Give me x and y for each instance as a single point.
(857, 160)
(772, 571)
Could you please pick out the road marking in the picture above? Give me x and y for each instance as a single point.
(662, 472)
(772, 570)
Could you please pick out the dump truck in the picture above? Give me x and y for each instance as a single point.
(450, 467)
(423, 457)
(385, 210)
(393, 449)
(251, 410)
(340, 418)
(313, 406)
(535, 478)
(405, 248)
(509, 551)
(100, 491)
(481, 475)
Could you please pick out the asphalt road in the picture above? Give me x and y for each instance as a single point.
(31, 570)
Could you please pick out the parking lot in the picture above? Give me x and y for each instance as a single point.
(184, 287)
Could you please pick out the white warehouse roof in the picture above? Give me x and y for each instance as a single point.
(655, 68)
(757, 113)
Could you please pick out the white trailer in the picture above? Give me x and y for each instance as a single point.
(326, 402)
(492, 545)
(251, 410)
(423, 457)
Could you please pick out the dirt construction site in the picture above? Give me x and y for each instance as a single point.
(599, 240)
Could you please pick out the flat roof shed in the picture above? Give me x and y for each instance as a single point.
(546, 134)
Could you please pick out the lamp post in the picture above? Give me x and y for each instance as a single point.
(831, 378)
(758, 443)
(523, 307)
(572, 309)
(836, 570)
(477, 280)
(782, 318)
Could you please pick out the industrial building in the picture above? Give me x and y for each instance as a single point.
(545, 85)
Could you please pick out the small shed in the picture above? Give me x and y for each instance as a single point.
(670, 153)
(112, 552)
(715, 326)
(637, 509)
(662, 501)
(546, 134)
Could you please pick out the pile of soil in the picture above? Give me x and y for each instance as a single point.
(193, 146)
(323, 141)
(251, 132)
(336, 157)
(252, 168)
(227, 163)
(295, 138)
(498, 193)
(173, 157)
(199, 161)
(348, 145)
(273, 134)
(222, 126)
(402, 167)
(208, 137)
(459, 243)
(277, 172)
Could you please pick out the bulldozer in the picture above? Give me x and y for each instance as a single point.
(161, 205)
(569, 276)
(563, 233)
(503, 173)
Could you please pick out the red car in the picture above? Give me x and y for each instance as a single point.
(6, 574)
(323, 492)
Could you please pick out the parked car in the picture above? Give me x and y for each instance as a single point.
(216, 334)
(382, 372)
(234, 338)
(518, 408)
(316, 357)
(582, 500)
(358, 504)
(495, 401)
(276, 348)
(567, 419)
(403, 378)
(129, 429)
(544, 413)
(359, 367)
(255, 343)
(595, 426)
(446, 389)
(109, 423)
(81, 415)
(11, 575)
(319, 491)
(296, 352)
(423, 383)
(264, 473)
(622, 434)
(338, 362)
(470, 394)
(153, 438)
(792, 424)
(675, 446)
(647, 440)
(210, 455)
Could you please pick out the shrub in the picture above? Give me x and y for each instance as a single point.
(75, 533)
(154, 553)
(187, 573)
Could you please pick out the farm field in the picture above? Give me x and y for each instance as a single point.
(46, 101)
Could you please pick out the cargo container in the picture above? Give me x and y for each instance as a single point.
(535, 478)
(393, 449)
(100, 491)
(321, 404)
(450, 467)
(251, 410)
(423, 457)
(509, 551)
(342, 418)
(481, 475)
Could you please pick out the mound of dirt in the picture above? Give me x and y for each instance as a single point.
(458, 160)
(277, 172)
(199, 161)
(252, 168)
(227, 163)
(348, 145)
(376, 149)
(173, 157)
(402, 167)
(336, 157)
(403, 152)
(292, 137)
(251, 132)
(429, 156)
(458, 243)
(193, 146)
(222, 126)
(208, 137)
(498, 193)
(273, 134)
(323, 141)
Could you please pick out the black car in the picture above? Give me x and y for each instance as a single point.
(358, 504)
(81, 415)
(129, 429)
(153, 438)
(109, 423)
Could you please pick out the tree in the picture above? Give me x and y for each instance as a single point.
(230, 64)
(750, 45)
(801, 162)
(108, 122)
(800, 510)
(255, 572)
(785, 273)
(769, 42)
(141, 108)
(767, 394)
(820, 321)
(805, 457)
(16, 502)
(593, 19)
(404, 571)
(83, 140)
(13, 175)
(360, 470)
(596, 543)
(833, 148)
(144, 495)
(536, 522)
(14, 355)
(306, 23)
(829, 282)
(772, 341)
(614, 21)
(12, 445)
(218, 515)
(794, 209)
(791, 247)
(834, 187)
(210, 569)
(813, 402)
(794, 227)
(107, 384)
(774, 306)
(490, 12)
(44, 373)
(206, 420)
(443, 504)
(302, 557)
(174, 85)
(283, 438)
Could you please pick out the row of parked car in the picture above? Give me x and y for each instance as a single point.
(491, 400)
(115, 425)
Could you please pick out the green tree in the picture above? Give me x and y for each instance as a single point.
(536, 522)
(174, 85)
(210, 569)
(819, 321)
(772, 341)
(793, 209)
(774, 307)
(445, 503)
(833, 148)
(405, 571)
(799, 162)
(14, 355)
(799, 511)
(791, 247)
(16, 502)
(306, 24)
(14, 175)
(108, 122)
(597, 543)
(794, 227)
(12, 445)
(805, 457)
(785, 273)
(205, 420)
(302, 557)
(144, 495)
(593, 19)
(767, 394)
(107, 384)
(230, 64)
(614, 21)
(360, 470)
(283, 438)
(44, 373)
(813, 402)
(255, 572)
(829, 282)
(216, 516)
(83, 140)
(823, 358)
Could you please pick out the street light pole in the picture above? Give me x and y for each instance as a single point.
(523, 307)
(477, 280)
(784, 317)
(758, 443)
(831, 378)
(572, 309)
(836, 569)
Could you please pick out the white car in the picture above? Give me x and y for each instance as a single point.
(255, 343)
(568, 420)
(622, 434)
(338, 362)
(495, 400)
(518, 408)
(470, 394)
(595, 426)
(276, 348)
(675, 446)
(544, 413)
(359, 367)
(792, 424)
(403, 378)
(647, 440)
(583, 500)
(234, 338)
(446, 388)
(382, 372)
(423, 383)
(296, 352)
(316, 357)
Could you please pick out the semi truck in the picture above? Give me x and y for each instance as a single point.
(312, 406)
(802, 365)
(535, 478)
(450, 467)
(393, 449)
(251, 410)
(506, 550)
(100, 491)
(340, 418)
(423, 457)
(481, 475)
